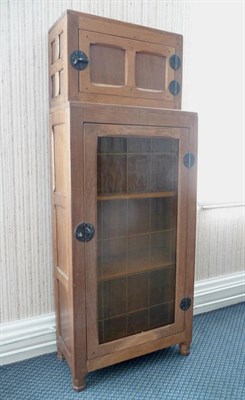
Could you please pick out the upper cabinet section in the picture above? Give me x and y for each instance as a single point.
(95, 59)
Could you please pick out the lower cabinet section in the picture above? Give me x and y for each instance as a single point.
(124, 201)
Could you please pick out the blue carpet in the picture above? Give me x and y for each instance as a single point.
(214, 370)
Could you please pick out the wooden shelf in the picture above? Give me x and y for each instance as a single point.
(140, 153)
(144, 268)
(138, 234)
(170, 301)
(128, 196)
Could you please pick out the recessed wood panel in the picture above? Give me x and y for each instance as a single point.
(150, 71)
(65, 316)
(60, 150)
(61, 45)
(62, 239)
(61, 82)
(54, 86)
(107, 65)
(53, 52)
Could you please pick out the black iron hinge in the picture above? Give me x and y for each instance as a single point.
(185, 303)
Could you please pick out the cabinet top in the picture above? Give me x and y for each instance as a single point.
(131, 28)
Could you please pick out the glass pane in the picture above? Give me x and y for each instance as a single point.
(137, 181)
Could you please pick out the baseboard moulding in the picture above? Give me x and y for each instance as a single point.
(214, 293)
(27, 338)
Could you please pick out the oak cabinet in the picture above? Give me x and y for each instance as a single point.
(124, 193)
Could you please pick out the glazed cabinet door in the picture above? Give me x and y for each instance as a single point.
(136, 192)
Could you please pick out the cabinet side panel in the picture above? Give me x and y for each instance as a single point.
(191, 229)
(61, 231)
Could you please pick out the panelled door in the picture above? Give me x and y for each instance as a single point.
(136, 193)
(126, 67)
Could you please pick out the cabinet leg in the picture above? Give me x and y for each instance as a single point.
(79, 383)
(60, 355)
(184, 349)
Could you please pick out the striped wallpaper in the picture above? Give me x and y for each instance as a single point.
(220, 248)
(26, 275)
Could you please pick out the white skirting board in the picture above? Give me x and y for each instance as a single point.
(211, 294)
(27, 338)
(23, 339)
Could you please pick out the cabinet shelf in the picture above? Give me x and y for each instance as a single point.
(128, 196)
(142, 268)
(167, 302)
(138, 234)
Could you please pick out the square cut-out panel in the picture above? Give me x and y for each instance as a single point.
(107, 65)
(150, 70)
(58, 63)
(57, 49)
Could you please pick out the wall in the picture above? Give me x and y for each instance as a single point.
(26, 277)
(220, 242)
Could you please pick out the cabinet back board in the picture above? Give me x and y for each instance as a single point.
(96, 59)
